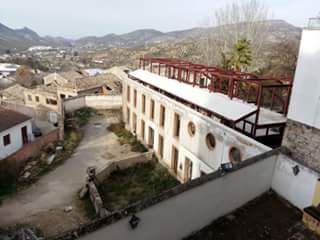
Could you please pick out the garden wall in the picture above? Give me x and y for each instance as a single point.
(96, 102)
(123, 163)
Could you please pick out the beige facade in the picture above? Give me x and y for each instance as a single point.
(41, 97)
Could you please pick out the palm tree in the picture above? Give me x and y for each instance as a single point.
(240, 58)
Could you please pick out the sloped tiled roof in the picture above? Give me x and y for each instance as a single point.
(9, 118)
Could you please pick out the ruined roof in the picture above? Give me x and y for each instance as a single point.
(9, 118)
(43, 89)
(84, 83)
(14, 93)
(71, 75)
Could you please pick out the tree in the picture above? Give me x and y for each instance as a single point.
(239, 58)
(25, 76)
(240, 20)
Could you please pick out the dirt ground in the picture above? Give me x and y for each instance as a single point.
(267, 218)
(42, 205)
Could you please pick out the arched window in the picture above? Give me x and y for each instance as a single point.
(191, 129)
(210, 141)
(235, 155)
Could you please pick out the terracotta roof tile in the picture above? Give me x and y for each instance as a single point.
(9, 118)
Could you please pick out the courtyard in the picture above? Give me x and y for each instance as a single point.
(127, 186)
(43, 204)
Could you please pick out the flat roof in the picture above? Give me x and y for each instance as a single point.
(9, 118)
(215, 102)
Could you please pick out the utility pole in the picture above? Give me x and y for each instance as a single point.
(61, 118)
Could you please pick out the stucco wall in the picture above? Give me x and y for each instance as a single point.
(297, 189)
(305, 99)
(104, 102)
(75, 103)
(15, 138)
(192, 147)
(97, 102)
(178, 216)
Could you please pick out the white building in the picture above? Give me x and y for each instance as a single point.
(15, 131)
(186, 141)
(8, 68)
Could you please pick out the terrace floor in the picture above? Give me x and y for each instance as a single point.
(267, 217)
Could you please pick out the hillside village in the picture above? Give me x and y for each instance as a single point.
(145, 135)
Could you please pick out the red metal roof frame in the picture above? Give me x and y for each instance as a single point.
(232, 83)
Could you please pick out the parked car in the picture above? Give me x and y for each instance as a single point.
(36, 131)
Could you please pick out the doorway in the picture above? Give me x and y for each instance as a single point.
(24, 135)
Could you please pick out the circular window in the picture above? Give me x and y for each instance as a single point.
(211, 141)
(235, 155)
(191, 129)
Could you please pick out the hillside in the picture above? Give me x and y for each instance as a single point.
(21, 39)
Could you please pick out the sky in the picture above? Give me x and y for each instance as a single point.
(78, 18)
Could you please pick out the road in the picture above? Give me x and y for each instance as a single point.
(59, 188)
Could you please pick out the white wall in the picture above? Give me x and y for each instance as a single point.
(97, 102)
(195, 148)
(189, 211)
(305, 100)
(75, 103)
(15, 138)
(104, 102)
(299, 189)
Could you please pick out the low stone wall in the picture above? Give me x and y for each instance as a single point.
(94, 101)
(96, 199)
(97, 178)
(123, 163)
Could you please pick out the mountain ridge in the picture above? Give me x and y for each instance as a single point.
(23, 38)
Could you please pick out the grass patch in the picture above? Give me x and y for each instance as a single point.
(124, 187)
(126, 137)
(83, 115)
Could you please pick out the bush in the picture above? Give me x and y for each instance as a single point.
(83, 115)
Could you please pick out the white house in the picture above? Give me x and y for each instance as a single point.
(15, 131)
